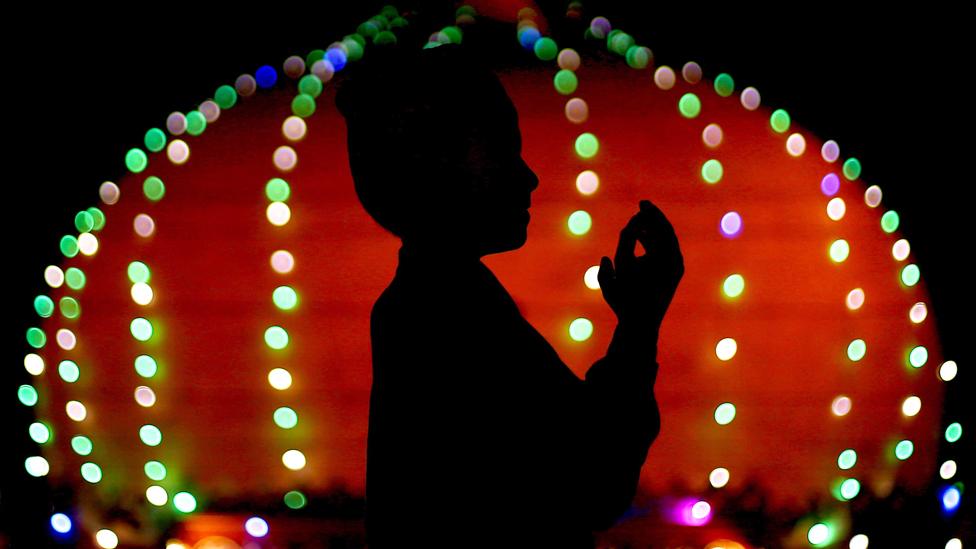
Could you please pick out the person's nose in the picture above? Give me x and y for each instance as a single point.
(532, 180)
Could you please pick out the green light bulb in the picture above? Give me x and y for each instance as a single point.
(689, 105)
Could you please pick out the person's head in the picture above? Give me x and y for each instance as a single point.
(435, 150)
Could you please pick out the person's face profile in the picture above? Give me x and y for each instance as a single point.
(499, 180)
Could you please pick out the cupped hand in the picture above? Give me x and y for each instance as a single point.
(640, 289)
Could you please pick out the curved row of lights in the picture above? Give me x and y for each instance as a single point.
(587, 145)
(323, 64)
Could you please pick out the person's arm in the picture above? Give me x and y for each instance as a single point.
(619, 421)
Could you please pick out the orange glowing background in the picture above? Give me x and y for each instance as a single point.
(213, 284)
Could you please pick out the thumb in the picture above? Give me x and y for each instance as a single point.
(606, 275)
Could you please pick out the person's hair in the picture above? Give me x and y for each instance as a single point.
(407, 114)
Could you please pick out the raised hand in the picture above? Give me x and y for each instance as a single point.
(640, 289)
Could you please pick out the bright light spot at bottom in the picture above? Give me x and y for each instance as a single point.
(106, 539)
(701, 510)
(950, 498)
(691, 512)
(954, 543)
(859, 541)
(724, 544)
(256, 526)
(818, 533)
(61, 523)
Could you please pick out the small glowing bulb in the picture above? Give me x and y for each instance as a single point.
(948, 469)
(178, 152)
(293, 459)
(54, 276)
(948, 370)
(855, 299)
(818, 533)
(719, 477)
(106, 539)
(587, 182)
(278, 213)
(282, 261)
(700, 510)
(841, 406)
(726, 349)
(796, 145)
(285, 158)
(279, 378)
(34, 364)
(859, 541)
(145, 396)
(590, 278)
(142, 293)
(76, 410)
(911, 406)
(294, 128)
(157, 495)
(900, 250)
(87, 243)
(836, 208)
(918, 313)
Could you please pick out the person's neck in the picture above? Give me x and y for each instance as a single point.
(438, 255)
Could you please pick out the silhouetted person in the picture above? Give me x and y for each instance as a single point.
(479, 435)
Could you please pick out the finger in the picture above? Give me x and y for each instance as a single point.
(656, 233)
(605, 276)
(624, 259)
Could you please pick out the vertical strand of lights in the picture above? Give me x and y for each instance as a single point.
(586, 145)
(73, 280)
(139, 274)
(712, 173)
(843, 487)
(324, 64)
(141, 292)
(277, 191)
